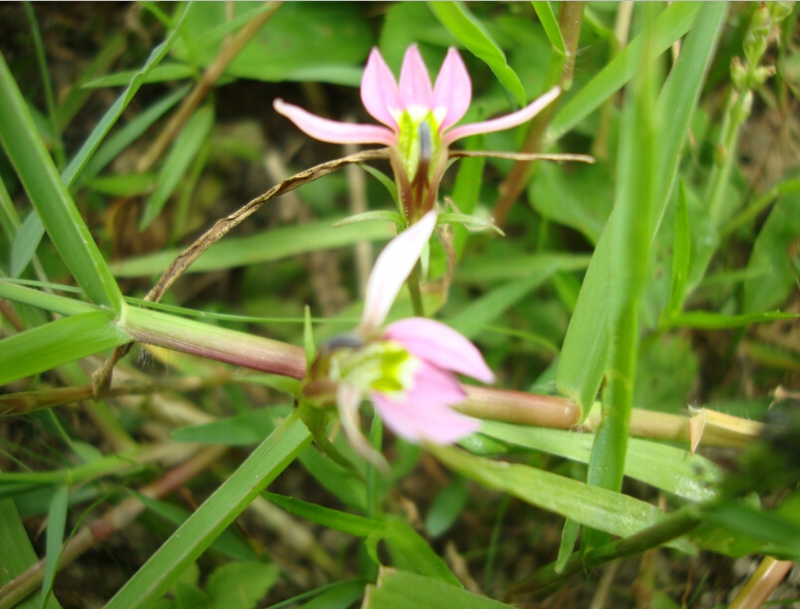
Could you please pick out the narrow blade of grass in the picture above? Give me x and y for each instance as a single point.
(50, 197)
(163, 569)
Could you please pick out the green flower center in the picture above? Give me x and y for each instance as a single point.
(419, 141)
(384, 366)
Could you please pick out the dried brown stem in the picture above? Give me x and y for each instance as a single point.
(112, 521)
(761, 584)
(570, 17)
(525, 156)
(15, 404)
(227, 53)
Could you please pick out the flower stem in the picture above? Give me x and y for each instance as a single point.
(416, 294)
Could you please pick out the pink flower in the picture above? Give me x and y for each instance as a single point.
(409, 368)
(418, 119)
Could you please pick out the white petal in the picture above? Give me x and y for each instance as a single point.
(391, 270)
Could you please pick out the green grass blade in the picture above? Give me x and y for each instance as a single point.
(56, 343)
(49, 196)
(550, 24)
(128, 134)
(665, 467)
(25, 243)
(56, 524)
(458, 19)
(264, 247)
(79, 161)
(678, 98)
(670, 25)
(341, 595)
(484, 310)
(580, 369)
(327, 517)
(16, 552)
(592, 506)
(630, 227)
(42, 300)
(163, 569)
(681, 253)
(709, 320)
(181, 155)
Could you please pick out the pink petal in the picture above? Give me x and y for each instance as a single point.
(504, 122)
(418, 420)
(434, 342)
(453, 89)
(415, 84)
(391, 270)
(379, 92)
(333, 131)
(434, 385)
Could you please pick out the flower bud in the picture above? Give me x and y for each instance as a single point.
(738, 74)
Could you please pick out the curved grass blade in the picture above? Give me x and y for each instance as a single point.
(181, 155)
(550, 24)
(580, 369)
(56, 343)
(264, 247)
(56, 524)
(82, 157)
(164, 568)
(665, 467)
(17, 553)
(458, 19)
(50, 197)
(670, 25)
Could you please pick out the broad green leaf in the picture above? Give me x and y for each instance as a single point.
(240, 585)
(56, 524)
(161, 571)
(179, 158)
(592, 506)
(128, 134)
(49, 196)
(670, 25)
(17, 553)
(579, 197)
(715, 321)
(25, 243)
(580, 369)
(668, 468)
(771, 257)
(324, 42)
(56, 343)
(402, 590)
(264, 247)
(457, 18)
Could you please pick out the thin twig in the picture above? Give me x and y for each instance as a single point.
(228, 52)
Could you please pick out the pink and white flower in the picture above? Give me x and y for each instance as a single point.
(418, 119)
(408, 369)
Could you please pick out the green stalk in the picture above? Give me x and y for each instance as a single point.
(416, 294)
(636, 177)
(213, 342)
